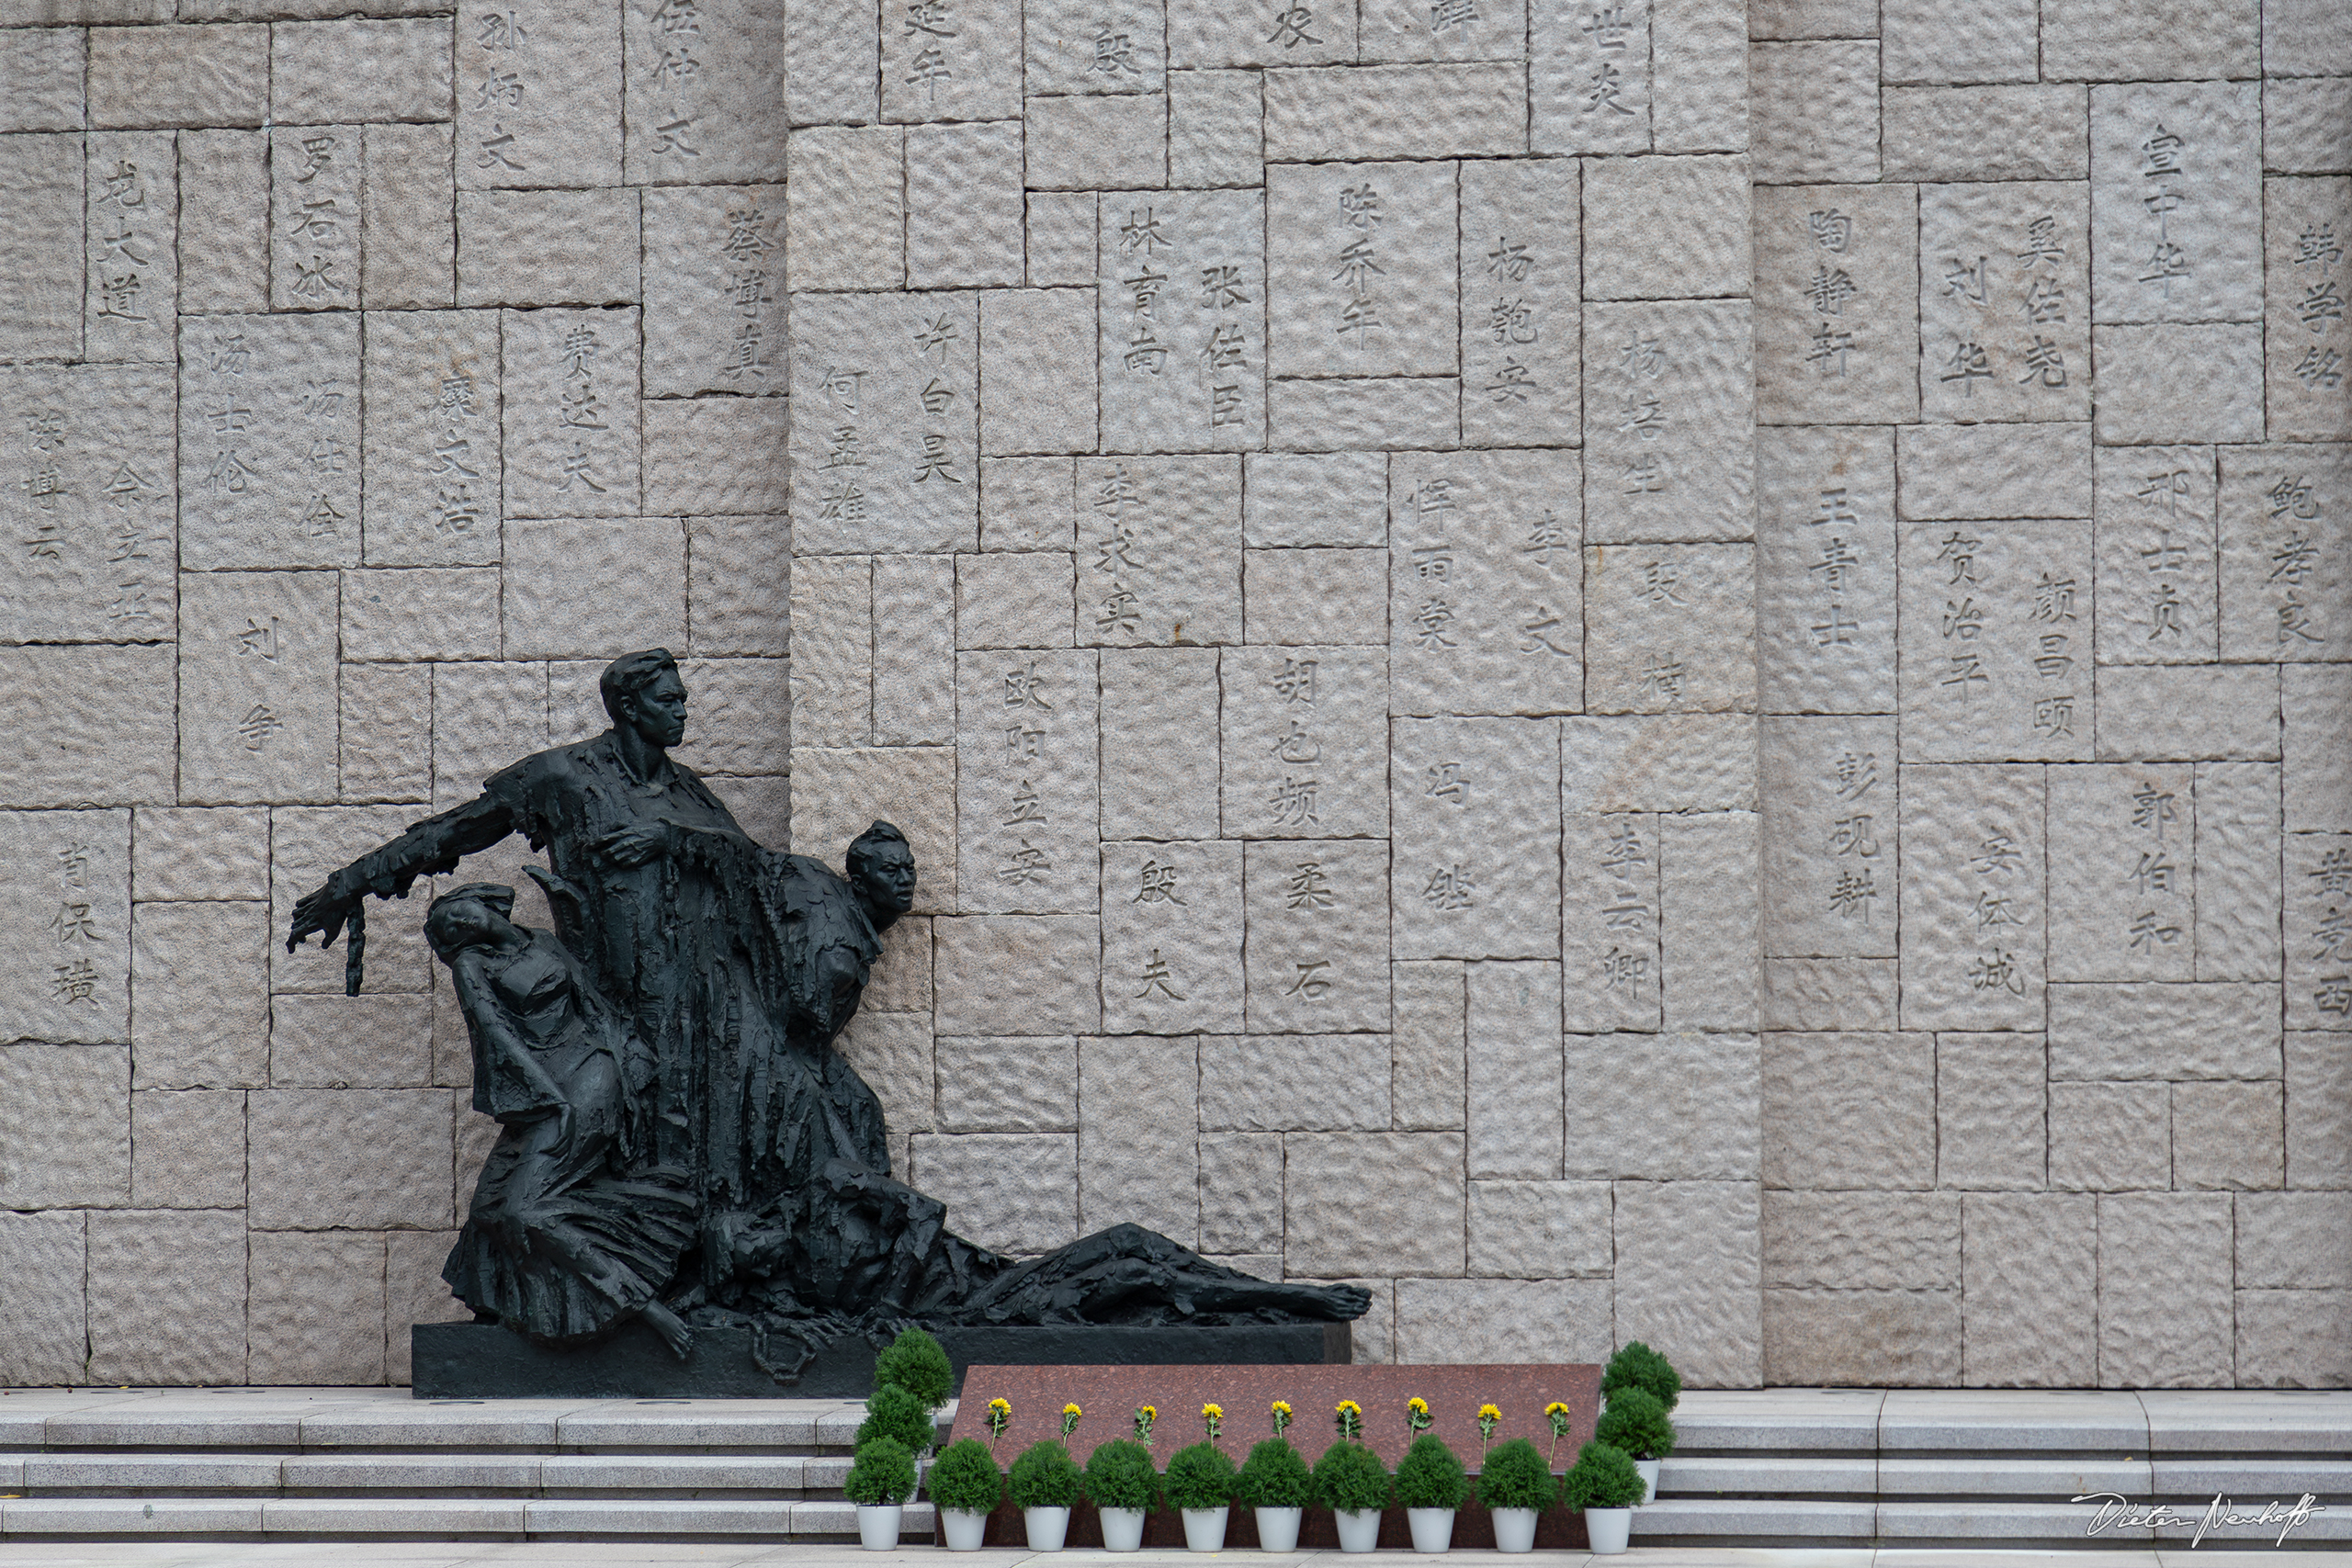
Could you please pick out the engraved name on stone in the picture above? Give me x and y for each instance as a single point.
(1181, 298)
(2176, 201)
(1171, 937)
(2156, 559)
(1825, 569)
(1362, 269)
(1670, 420)
(269, 440)
(89, 508)
(1486, 593)
(1520, 263)
(885, 439)
(65, 911)
(2286, 570)
(1588, 76)
(1305, 742)
(2003, 301)
(570, 408)
(1027, 781)
(1829, 836)
(1972, 911)
(434, 452)
(131, 190)
(1315, 955)
(2124, 907)
(1609, 922)
(1996, 658)
(1158, 551)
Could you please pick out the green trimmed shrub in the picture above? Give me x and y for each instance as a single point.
(1044, 1476)
(965, 1477)
(1638, 1366)
(1517, 1475)
(893, 1412)
(1119, 1476)
(1603, 1477)
(915, 1363)
(1199, 1477)
(1430, 1476)
(1350, 1476)
(883, 1472)
(1636, 1423)
(1274, 1476)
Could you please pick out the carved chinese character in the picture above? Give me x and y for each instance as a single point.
(1156, 977)
(1449, 888)
(1155, 884)
(1290, 23)
(1308, 888)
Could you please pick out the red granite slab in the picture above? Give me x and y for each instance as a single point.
(1109, 1397)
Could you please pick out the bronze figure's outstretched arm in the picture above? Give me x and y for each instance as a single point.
(427, 848)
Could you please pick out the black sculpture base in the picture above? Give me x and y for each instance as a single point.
(481, 1361)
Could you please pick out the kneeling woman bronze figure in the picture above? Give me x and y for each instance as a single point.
(569, 1233)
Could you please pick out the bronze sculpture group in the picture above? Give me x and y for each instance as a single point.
(680, 1142)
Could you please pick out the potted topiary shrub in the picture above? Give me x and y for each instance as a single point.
(1350, 1481)
(1638, 1366)
(1636, 1421)
(881, 1478)
(1123, 1487)
(1199, 1483)
(1604, 1483)
(966, 1485)
(915, 1363)
(1431, 1486)
(892, 1411)
(1044, 1484)
(1276, 1482)
(1516, 1486)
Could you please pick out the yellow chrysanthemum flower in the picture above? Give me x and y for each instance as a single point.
(1213, 1410)
(1349, 1408)
(1072, 1410)
(1003, 1405)
(1283, 1406)
(1151, 1412)
(1417, 1405)
(1555, 1408)
(1488, 1413)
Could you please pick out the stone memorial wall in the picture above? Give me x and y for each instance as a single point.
(1671, 669)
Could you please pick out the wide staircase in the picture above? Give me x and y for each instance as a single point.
(1770, 1467)
(1998, 1469)
(328, 1464)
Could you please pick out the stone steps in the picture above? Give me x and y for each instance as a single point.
(1859, 1468)
(1775, 1468)
(362, 1464)
(433, 1518)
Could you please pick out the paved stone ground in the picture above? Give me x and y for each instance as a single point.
(436, 1554)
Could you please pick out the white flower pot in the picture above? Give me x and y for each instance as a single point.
(1432, 1530)
(962, 1528)
(1648, 1467)
(1122, 1528)
(1515, 1528)
(877, 1526)
(1607, 1528)
(1046, 1528)
(1359, 1529)
(1278, 1529)
(1205, 1529)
